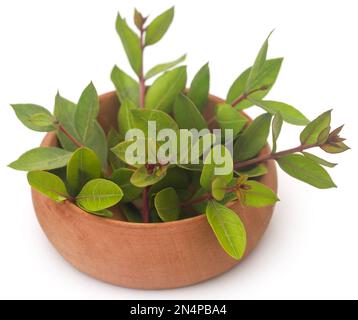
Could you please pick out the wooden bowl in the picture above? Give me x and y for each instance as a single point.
(147, 256)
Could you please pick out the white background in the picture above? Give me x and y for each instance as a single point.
(310, 248)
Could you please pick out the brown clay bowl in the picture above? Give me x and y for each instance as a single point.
(146, 256)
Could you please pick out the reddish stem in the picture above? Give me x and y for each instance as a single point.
(141, 72)
(244, 96)
(145, 205)
(70, 136)
(273, 156)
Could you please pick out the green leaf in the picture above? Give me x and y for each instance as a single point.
(218, 188)
(230, 118)
(65, 115)
(163, 67)
(258, 195)
(264, 83)
(131, 44)
(257, 171)
(83, 166)
(306, 170)
(97, 141)
(176, 178)
(42, 159)
(228, 228)
(163, 92)
(142, 178)
(131, 212)
(34, 117)
(48, 184)
(337, 147)
(99, 194)
(167, 204)
(113, 139)
(253, 139)
(101, 213)
(120, 150)
(277, 123)
(319, 160)
(311, 133)
(211, 165)
(258, 66)
(187, 115)
(158, 27)
(127, 88)
(122, 177)
(141, 117)
(125, 118)
(199, 88)
(86, 113)
(288, 113)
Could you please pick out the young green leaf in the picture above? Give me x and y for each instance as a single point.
(86, 112)
(97, 141)
(127, 88)
(187, 115)
(163, 67)
(142, 178)
(199, 88)
(219, 157)
(48, 184)
(277, 123)
(114, 139)
(258, 195)
(163, 92)
(230, 118)
(34, 117)
(228, 228)
(306, 170)
(264, 83)
(319, 160)
(120, 150)
(141, 117)
(99, 194)
(42, 158)
(253, 139)
(167, 204)
(122, 177)
(257, 171)
(258, 66)
(131, 44)
(288, 113)
(312, 131)
(65, 114)
(125, 118)
(83, 166)
(218, 188)
(158, 27)
(336, 147)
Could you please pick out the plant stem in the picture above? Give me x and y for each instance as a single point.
(201, 199)
(141, 74)
(244, 96)
(145, 205)
(273, 156)
(69, 135)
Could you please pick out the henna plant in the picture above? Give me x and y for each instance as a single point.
(78, 169)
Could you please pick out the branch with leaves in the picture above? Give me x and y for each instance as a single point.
(77, 170)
